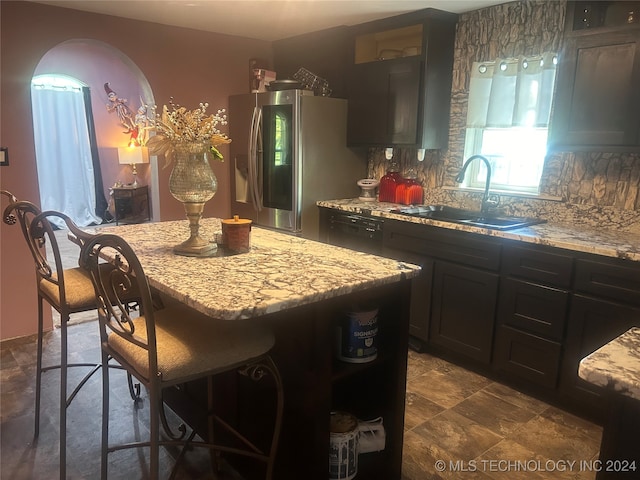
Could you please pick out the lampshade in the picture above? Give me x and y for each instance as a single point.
(133, 155)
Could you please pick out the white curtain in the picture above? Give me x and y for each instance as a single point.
(63, 153)
(512, 92)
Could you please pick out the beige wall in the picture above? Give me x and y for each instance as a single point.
(189, 65)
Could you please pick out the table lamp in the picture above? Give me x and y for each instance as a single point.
(132, 156)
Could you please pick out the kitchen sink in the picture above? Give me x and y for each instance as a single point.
(502, 223)
(445, 213)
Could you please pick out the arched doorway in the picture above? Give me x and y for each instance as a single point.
(92, 64)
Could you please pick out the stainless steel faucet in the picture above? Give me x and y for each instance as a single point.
(484, 206)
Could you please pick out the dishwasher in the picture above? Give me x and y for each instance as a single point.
(357, 232)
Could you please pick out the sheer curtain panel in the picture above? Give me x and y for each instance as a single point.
(63, 153)
(512, 92)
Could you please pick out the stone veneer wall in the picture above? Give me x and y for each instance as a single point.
(598, 189)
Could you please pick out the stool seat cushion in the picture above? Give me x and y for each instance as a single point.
(191, 345)
(79, 292)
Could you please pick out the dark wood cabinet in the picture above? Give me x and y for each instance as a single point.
(463, 311)
(592, 323)
(525, 357)
(614, 280)
(532, 313)
(523, 312)
(534, 308)
(399, 81)
(605, 304)
(421, 300)
(383, 101)
(597, 96)
(394, 246)
(453, 305)
(531, 324)
(131, 204)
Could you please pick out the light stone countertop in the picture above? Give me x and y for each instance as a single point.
(616, 365)
(280, 272)
(599, 241)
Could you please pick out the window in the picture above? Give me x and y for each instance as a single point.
(507, 121)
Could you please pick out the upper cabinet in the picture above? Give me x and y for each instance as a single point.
(597, 95)
(399, 80)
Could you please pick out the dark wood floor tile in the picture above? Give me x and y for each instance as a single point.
(516, 398)
(420, 363)
(556, 441)
(463, 438)
(509, 460)
(448, 386)
(423, 459)
(497, 415)
(418, 409)
(572, 421)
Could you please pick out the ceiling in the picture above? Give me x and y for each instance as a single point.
(264, 19)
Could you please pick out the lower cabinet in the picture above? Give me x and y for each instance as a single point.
(592, 323)
(421, 301)
(527, 357)
(463, 310)
(531, 321)
(453, 300)
(525, 312)
(532, 313)
(605, 303)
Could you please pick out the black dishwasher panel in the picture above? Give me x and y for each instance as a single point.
(357, 232)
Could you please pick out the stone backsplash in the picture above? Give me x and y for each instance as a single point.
(586, 188)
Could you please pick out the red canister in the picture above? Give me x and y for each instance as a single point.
(389, 183)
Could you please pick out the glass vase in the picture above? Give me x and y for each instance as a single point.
(193, 183)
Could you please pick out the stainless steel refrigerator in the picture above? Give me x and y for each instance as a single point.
(289, 150)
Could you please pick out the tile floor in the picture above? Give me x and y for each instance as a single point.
(470, 422)
(480, 429)
(484, 429)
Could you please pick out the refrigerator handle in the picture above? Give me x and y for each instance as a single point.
(255, 138)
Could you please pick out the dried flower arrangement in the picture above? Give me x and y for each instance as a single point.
(179, 126)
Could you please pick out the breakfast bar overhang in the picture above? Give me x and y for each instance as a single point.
(303, 289)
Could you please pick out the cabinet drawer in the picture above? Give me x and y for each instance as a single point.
(527, 357)
(533, 308)
(609, 280)
(536, 264)
(452, 245)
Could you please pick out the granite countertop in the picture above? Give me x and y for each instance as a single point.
(281, 271)
(599, 241)
(616, 365)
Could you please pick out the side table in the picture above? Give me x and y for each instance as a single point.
(131, 204)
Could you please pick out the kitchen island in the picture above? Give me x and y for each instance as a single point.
(615, 368)
(302, 289)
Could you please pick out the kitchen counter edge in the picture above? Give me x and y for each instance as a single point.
(609, 243)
